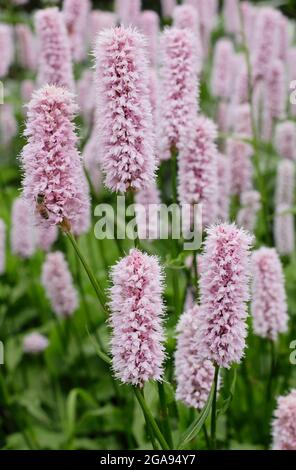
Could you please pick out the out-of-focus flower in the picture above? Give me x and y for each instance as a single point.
(8, 123)
(198, 179)
(7, 49)
(222, 69)
(149, 25)
(58, 284)
(35, 343)
(76, 16)
(247, 215)
(124, 118)
(137, 311)
(285, 183)
(186, 17)
(54, 55)
(285, 139)
(179, 89)
(269, 304)
(22, 230)
(284, 232)
(46, 236)
(86, 95)
(167, 7)
(26, 47)
(147, 212)
(27, 89)
(128, 11)
(224, 287)
(100, 20)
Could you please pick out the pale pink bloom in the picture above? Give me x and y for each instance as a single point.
(46, 236)
(27, 89)
(285, 139)
(81, 224)
(224, 186)
(100, 20)
(190, 299)
(7, 49)
(207, 10)
(124, 118)
(285, 39)
(222, 79)
(276, 95)
(22, 237)
(26, 47)
(35, 343)
(285, 183)
(8, 123)
(250, 205)
(147, 212)
(240, 84)
(194, 376)
(284, 233)
(128, 11)
(58, 284)
(149, 26)
(186, 17)
(91, 161)
(179, 88)
(51, 162)
(54, 55)
(2, 246)
(137, 310)
(167, 7)
(266, 42)
(76, 16)
(198, 179)
(269, 303)
(224, 287)
(86, 95)
(284, 423)
(238, 151)
(249, 14)
(222, 118)
(231, 17)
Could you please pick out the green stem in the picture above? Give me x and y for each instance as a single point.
(148, 415)
(98, 290)
(214, 408)
(165, 415)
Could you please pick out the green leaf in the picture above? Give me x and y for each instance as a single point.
(196, 426)
(71, 408)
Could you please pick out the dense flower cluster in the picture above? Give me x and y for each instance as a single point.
(284, 423)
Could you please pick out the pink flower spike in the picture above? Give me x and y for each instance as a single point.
(231, 17)
(54, 64)
(58, 284)
(179, 88)
(285, 183)
(269, 304)
(186, 17)
(2, 247)
(35, 343)
(224, 288)
(222, 69)
(198, 178)
(124, 118)
(137, 311)
(284, 233)
(26, 47)
(285, 139)
(46, 236)
(53, 172)
(283, 425)
(76, 16)
(247, 215)
(147, 212)
(276, 93)
(149, 26)
(22, 230)
(194, 375)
